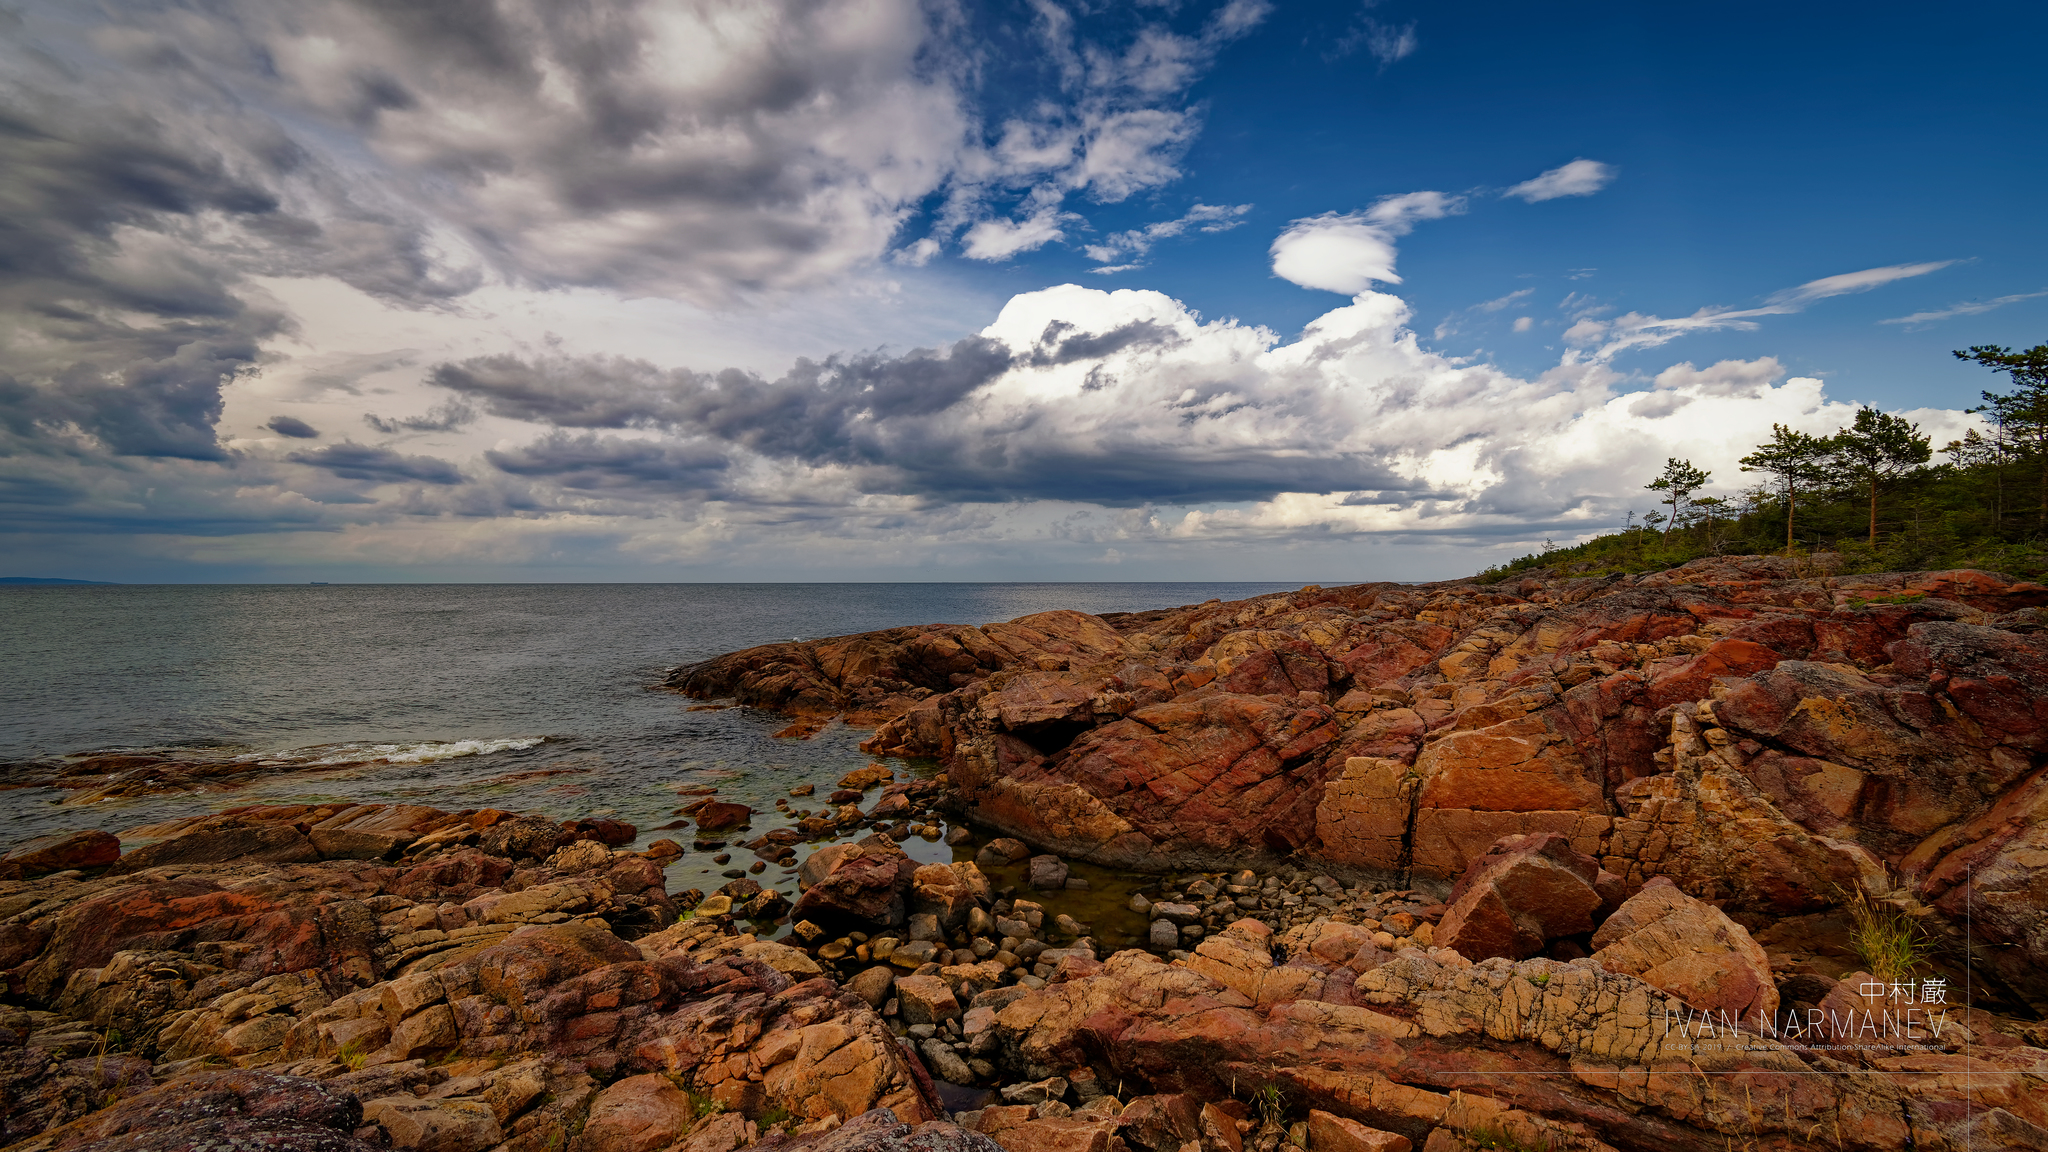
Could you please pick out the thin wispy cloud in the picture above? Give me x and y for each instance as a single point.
(1453, 323)
(1579, 178)
(1608, 338)
(1385, 42)
(1970, 308)
(1139, 241)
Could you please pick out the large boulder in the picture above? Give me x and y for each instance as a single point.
(868, 881)
(722, 816)
(638, 1114)
(1692, 950)
(1523, 893)
(521, 837)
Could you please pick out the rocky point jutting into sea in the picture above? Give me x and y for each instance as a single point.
(1550, 863)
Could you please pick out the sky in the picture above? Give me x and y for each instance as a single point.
(830, 290)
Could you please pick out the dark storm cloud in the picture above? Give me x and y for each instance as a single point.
(817, 412)
(134, 206)
(296, 429)
(907, 425)
(1056, 347)
(352, 461)
(123, 339)
(611, 464)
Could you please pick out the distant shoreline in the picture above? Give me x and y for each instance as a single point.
(30, 581)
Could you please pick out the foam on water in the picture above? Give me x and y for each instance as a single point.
(425, 752)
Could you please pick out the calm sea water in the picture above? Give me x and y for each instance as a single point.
(529, 697)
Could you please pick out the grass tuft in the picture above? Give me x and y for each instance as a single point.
(1889, 942)
(1499, 1140)
(353, 1055)
(1271, 1102)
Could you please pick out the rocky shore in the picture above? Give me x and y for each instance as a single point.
(1550, 864)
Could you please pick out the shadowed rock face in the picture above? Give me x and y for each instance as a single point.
(1763, 734)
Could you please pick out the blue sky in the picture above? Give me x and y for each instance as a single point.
(1757, 147)
(882, 289)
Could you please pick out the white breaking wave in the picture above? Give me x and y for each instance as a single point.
(425, 752)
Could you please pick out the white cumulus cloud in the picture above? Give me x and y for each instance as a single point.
(1349, 252)
(1002, 239)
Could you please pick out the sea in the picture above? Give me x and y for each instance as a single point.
(526, 697)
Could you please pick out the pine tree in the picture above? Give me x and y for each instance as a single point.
(1796, 460)
(1679, 481)
(1876, 450)
(2023, 412)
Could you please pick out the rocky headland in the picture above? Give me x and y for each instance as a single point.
(1545, 864)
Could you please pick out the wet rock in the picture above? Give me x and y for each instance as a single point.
(1524, 892)
(1164, 934)
(868, 777)
(1000, 851)
(722, 816)
(1048, 872)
